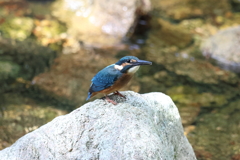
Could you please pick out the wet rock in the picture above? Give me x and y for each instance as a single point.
(224, 48)
(146, 126)
(99, 23)
(183, 9)
(183, 64)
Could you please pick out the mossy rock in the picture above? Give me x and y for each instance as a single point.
(185, 9)
(191, 96)
(29, 56)
(48, 33)
(18, 28)
(8, 70)
(20, 115)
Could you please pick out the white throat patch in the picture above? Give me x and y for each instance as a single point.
(118, 67)
(133, 69)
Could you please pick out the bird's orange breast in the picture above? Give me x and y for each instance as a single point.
(121, 82)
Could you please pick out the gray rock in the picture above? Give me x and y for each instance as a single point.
(225, 48)
(142, 126)
(99, 22)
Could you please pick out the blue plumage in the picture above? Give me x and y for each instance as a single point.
(104, 79)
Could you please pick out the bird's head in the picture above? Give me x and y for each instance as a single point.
(130, 64)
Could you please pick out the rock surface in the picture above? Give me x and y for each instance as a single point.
(146, 126)
(99, 23)
(224, 47)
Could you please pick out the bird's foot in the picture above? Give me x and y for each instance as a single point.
(117, 93)
(111, 101)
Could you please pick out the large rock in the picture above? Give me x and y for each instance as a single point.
(102, 22)
(224, 47)
(146, 126)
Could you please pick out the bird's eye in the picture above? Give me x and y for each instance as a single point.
(129, 61)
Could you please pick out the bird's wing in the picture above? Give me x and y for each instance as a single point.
(104, 78)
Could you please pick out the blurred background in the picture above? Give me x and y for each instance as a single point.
(50, 50)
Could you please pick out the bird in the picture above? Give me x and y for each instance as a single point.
(115, 76)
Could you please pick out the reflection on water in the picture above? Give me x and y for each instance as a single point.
(39, 83)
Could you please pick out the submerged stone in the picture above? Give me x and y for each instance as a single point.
(169, 34)
(184, 9)
(187, 95)
(216, 135)
(31, 57)
(20, 115)
(49, 33)
(224, 48)
(8, 70)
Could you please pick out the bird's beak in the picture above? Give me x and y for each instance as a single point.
(141, 62)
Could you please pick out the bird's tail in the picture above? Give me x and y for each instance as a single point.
(89, 96)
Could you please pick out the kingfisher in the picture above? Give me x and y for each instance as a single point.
(115, 76)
